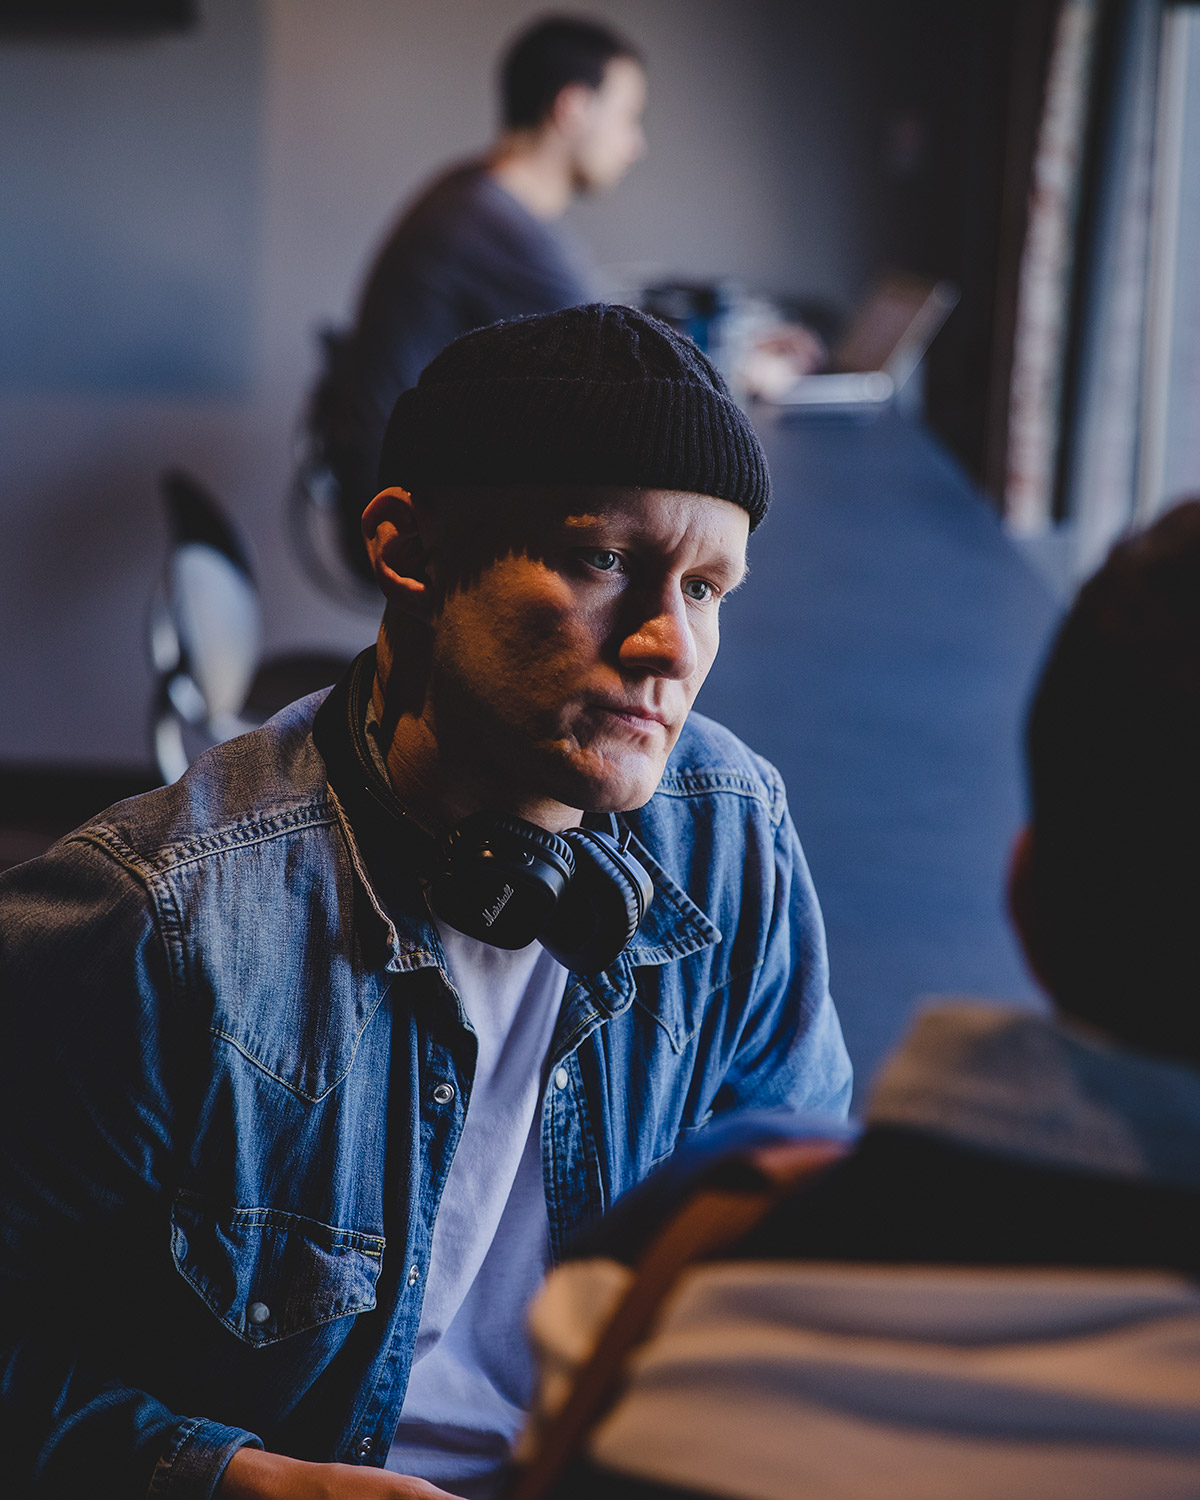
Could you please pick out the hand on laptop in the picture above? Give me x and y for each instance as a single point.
(778, 357)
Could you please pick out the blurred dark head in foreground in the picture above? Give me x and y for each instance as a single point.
(1106, 884)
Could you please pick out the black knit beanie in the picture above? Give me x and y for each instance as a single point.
(588, 395)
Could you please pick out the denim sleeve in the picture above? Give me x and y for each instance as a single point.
(790, 1054)
(92, 1102)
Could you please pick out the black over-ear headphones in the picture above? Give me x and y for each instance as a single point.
(580, 893)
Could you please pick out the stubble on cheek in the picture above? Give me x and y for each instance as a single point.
(509, 687)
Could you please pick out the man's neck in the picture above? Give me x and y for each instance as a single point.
(534, 168)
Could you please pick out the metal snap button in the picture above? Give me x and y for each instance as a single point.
(257, 1313)
(364, 1448)
(561, 1078)
(414, 1275)
(443, 1093)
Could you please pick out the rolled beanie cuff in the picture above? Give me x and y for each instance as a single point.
(651, 433)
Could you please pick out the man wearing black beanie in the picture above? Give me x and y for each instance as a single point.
(363, 1019)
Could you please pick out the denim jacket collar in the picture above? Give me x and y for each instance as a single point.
(377, 825)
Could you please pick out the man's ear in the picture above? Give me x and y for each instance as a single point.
(1027, 917)
(571, 107)
(396, 536)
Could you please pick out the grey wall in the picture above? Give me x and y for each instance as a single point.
(131, 200)
(180, 215)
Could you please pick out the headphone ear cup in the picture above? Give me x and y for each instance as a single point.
(601, 908)
(499, 879)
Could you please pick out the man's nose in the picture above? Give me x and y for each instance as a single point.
(661, 640)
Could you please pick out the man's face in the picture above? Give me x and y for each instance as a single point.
(562, 672)
(607, 130)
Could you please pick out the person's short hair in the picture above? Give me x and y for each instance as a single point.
(547, 56)
(1113, 747)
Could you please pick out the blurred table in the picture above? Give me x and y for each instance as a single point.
(880, 655)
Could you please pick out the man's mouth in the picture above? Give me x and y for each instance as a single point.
(639, 717)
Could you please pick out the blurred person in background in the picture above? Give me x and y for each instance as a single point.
(481, 243)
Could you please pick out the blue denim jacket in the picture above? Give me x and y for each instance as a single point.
(222, 1152)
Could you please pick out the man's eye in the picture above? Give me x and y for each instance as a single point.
(700, 590)
(602, 560)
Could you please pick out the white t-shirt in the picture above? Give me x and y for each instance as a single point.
(472, 1375)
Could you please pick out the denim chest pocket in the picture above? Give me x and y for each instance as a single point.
(687, 1134)
(266, 1274)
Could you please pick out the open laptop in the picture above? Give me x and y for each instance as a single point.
(880, 348)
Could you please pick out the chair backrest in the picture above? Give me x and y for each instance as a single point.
(205, 625)
(333, 480)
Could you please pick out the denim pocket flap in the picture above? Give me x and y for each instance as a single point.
(267, 1274)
